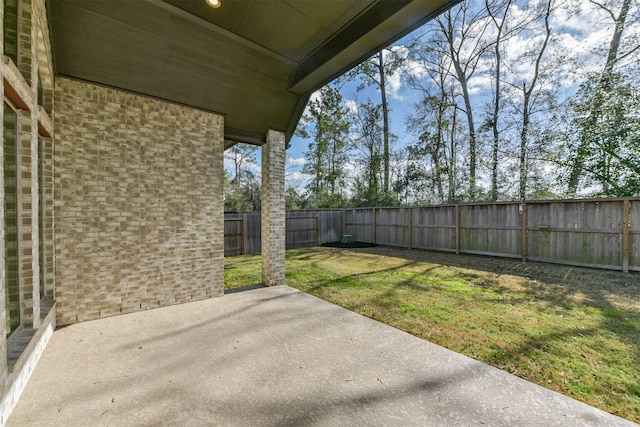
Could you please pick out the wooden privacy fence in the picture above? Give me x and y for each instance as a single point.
(602, 233)
(233, 236)
(242, 231)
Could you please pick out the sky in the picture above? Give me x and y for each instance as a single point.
(582, 36)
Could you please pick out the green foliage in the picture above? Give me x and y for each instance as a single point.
(369, 70)
(244, 198)
(526, 141)
(242, 188)
(606, 128)
(293, 199)
(327, 155)
(368, 146)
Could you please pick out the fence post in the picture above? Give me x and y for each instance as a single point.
(457, 229)
(525, 235)
(625, 234)
(375, 234)
(242, 236)
(344, 223)
(410, 227)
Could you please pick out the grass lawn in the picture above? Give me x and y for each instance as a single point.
(573, 330)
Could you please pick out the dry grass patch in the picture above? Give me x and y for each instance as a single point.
(573, 330)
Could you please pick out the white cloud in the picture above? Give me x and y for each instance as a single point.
(228, 164)
(480, 84)
(394, 85)
(315, 96)
(352, 106)
(255, 168)
(297, 180)
(296, 162)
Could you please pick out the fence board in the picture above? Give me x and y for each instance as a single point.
(253, 233)
(302, 231)
(303, 228)
(359, 223)
(331, 223)
(392, 227)
(491, 229)
(233, 236)
(434, 227)
(575, 232)
(634, 235)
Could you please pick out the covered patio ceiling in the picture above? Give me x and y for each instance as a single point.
(255, 61)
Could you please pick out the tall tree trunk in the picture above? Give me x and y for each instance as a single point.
(496, 139)
(465, 47)
(473, 145)
(522, 193)
(333, 168)
(318, 177)
(453, 156)
(436, 153)
(464, 85)
(237, 176)
(601, 89)
(496, 101)
(385, 120)
(527, 107)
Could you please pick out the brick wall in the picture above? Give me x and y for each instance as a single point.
(3, 314)
(26, 45)
(273, 210)
(46, 202)
(28, 62)
(138, 202)
(28, 239)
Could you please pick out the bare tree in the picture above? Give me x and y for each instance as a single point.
(530, 96)
(498, 12)
(242, 190)
(435, 115)
(463, 29)
(374, 72)
(241, 155)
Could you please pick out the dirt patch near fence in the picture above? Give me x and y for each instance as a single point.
(618, 287)
(352, 245)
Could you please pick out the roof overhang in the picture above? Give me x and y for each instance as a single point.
(254, 61)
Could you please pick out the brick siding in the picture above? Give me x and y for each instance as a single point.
(138, 194)
(3, 313)
(22, 73)
(273, 210)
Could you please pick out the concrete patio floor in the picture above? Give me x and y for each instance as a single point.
(274, 357)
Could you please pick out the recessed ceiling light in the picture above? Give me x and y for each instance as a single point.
(214, 3)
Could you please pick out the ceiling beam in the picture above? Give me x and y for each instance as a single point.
(246, 137)
(358, 28)
(367, 34)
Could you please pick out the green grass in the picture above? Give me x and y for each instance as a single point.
(573, 330)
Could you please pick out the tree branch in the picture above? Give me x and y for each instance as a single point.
(603, 7)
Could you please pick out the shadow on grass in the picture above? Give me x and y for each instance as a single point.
(614, 297)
